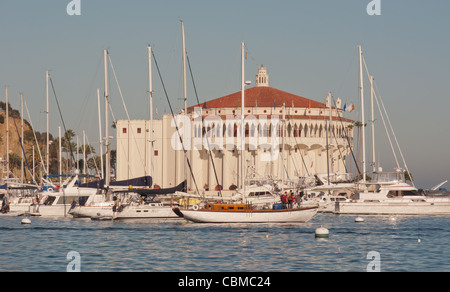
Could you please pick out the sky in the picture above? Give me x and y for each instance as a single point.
(308, 46)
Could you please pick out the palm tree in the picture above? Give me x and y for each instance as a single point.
(68, 146)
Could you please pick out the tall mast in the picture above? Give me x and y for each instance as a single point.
(47, 74)
(78, 158)
(329, 142)
(84, 156)
(361, 88)
(7, 133)
(184, 67)
(372, 95)
(242, 118)
(283, 130)
(330, 97)
(100, 134)
(60, 155)
(21, 135)
(107, 167)
(150, 91)
(185, 93)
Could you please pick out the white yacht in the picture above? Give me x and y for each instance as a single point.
(52, 202)
(389, 194)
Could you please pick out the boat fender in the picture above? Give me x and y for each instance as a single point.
(195, 207)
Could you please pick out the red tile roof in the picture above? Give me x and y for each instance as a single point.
(261, 97)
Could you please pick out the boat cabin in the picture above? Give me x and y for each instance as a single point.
(227, 207)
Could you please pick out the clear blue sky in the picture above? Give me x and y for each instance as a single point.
(309, 48)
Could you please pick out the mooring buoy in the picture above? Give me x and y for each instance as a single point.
(359, 219)
(322, 232)
(25, 221)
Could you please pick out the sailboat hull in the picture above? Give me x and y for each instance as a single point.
(249, 216)
(129, 212)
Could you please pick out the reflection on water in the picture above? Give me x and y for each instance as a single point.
(182, 246)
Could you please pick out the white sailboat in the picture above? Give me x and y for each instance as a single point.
(244, 212)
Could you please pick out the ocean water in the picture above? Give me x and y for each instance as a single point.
(380, 243)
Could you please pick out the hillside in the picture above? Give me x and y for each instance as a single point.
(14, 143)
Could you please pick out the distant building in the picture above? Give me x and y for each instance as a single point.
(299, 150)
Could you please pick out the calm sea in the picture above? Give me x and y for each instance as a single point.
(387, 244)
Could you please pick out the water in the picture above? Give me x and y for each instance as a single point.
(188, 247)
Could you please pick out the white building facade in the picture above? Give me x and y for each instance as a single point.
(285, 138)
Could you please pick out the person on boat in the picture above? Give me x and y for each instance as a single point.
(284, 200)
(291, 200)
(116, 204)
(4, 206)
(298, 198)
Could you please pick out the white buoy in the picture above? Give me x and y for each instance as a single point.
(322, 232)
(26, 221)
(359, 219)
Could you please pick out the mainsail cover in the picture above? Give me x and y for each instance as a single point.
(151, 192)
(143, 181)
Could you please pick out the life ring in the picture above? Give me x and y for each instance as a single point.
(195, 207)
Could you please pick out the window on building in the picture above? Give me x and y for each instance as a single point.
(124, 130)
(138, 130)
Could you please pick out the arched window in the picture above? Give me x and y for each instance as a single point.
(252, 130)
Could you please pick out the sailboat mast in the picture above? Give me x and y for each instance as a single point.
(184, 67)
(242, 117)
(60, 154)
(21, 135)
(7, 133)
(361, 88)
(372, 93)
(185, 93)
(330, 97)
(48, 125)
(107, 166)
(150, 90)
(100, 134)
